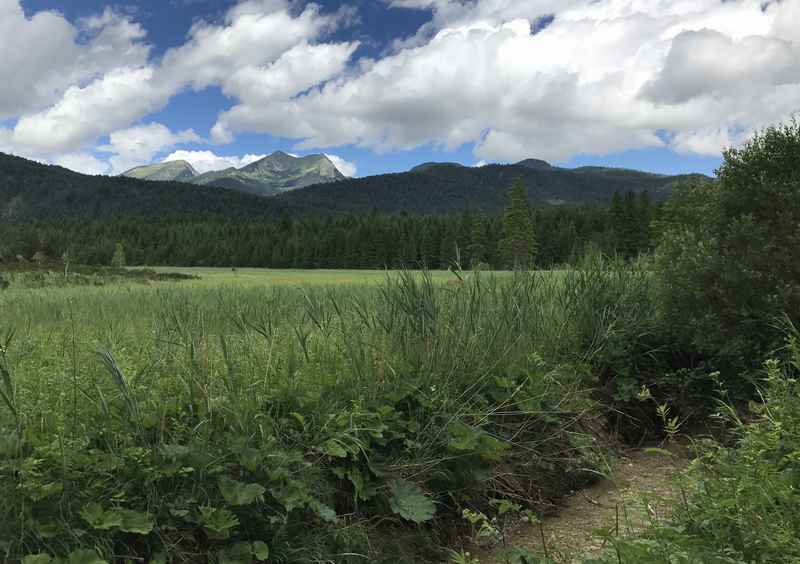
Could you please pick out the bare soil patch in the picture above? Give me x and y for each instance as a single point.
(638, 491)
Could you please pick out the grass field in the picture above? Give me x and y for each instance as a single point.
(243, 277)
(315, 416)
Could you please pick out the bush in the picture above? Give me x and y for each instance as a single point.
(741, 503)
(727, 262)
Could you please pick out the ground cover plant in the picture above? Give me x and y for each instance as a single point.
(740, 494)
(318, 424)
(381, 422)
(47, 274)
(726, 287)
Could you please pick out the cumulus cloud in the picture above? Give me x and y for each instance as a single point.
(708, 62)
(45, 55)
(206, 161)
(84, 114)
(95, 77)
(140, 144)
(603, 76)
(345, 167)
(82, 162)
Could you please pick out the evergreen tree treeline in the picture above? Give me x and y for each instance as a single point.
(543, 237)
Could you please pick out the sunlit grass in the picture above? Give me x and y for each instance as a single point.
(244, 277)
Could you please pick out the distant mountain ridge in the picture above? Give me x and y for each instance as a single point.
(438, 188)
(274, 174)
(172, 171)
(31, 191)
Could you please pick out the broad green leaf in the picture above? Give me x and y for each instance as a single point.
(334, 448)
(125, 520)
(239, 493)
(135, 522)
(100, 519)
(410, 502)
(323, 511)
(218, 522)
(260, 551)
(299, 418)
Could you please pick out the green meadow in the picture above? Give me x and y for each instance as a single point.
(253, 277)
(235, 416)
(348, 418)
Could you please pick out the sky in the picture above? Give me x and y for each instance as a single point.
(383, 85)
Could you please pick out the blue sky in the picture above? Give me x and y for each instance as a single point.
(383, 85)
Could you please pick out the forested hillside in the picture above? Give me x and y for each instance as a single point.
(445, 188)
(32, 191)
(368, 241)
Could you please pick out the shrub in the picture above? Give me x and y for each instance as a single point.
(727, 262)
(742, 498)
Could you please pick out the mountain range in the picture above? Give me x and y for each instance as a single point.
(440, 188)
(284, 185)
(274, 174)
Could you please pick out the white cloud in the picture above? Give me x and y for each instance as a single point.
(71, 84)
(206, 161)
(604, 76)
(140, 144)
(85, 114)
(44, 55)
(82, 162)
(345, 167)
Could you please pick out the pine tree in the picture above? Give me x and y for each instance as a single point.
(645, 217)
(617, 227)
(518, 248)
(477, 242)
(631, 227)
(118, 259)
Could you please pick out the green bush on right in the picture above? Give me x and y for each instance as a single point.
(727, 262)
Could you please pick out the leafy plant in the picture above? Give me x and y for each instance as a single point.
(410, 502)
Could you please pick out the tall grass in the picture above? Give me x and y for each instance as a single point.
(347, 424)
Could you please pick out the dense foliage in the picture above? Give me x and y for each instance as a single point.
(31, 191)
(371, 241)
(443, 189)
(299, 425)
(361, 424)
(727, 262)
(741, 496)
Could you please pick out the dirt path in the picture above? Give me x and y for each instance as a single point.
(639, 490)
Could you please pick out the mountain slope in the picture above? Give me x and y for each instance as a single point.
(32, 191)
(179, 171)
(279, 172)
(274, 174)
(445, 188)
